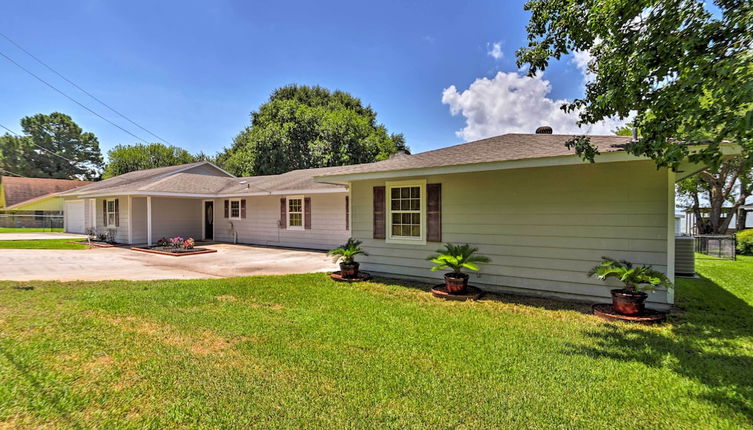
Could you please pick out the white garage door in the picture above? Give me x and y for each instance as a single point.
(74, 216)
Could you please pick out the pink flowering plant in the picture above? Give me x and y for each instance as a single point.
(176, 242)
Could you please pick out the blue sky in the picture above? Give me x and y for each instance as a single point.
(192, 71)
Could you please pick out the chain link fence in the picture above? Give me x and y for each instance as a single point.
(720, 246)
(33, 220)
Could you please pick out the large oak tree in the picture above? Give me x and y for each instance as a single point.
(302, 127)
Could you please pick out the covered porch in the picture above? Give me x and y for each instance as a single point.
(152, 217)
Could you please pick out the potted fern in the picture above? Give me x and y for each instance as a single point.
(636, 279)
(345, 255)
(456, 258)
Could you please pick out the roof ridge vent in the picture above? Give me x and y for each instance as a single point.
(544, 129)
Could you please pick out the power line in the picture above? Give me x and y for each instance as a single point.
(69, 97)
(81, 89)
(8, 171)
(41, 147)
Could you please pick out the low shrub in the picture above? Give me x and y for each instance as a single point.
(745, 242)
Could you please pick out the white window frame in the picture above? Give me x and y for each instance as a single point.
(108, 212)
(421, 240)
(230, 209)
(303, 213)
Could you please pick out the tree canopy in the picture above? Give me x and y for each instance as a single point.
(302, 127)
(51, 146)
(673, 66)
(128, 158)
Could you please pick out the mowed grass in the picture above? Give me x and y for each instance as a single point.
(29, 230)
(305, 352)
(41, 244)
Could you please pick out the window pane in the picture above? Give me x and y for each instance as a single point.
(395, 205)
(415, 192)
(415, 204)
(395, 193)
(296, 220)
(111, 206)
(415, 231)
(404, 193)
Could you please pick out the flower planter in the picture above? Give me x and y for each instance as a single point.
(455, 283)
(349, 270)
(628, 302)
(175, 252)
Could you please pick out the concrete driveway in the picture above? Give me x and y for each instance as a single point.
(101, 264)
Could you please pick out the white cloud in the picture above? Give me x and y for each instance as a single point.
(514, 103)
(582, 59)
(494, 50)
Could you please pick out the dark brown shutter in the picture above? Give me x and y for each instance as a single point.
(227, 208)
(283, 213)
(104, 213)
(434, 212)
(307, 213)
(243, 208)
(347, 212)
(117, 213)
(379, 214)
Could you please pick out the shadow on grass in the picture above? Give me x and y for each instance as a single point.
(50, 396)
(709, 343)
(517, 299)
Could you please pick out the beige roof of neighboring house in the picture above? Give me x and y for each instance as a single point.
(507, 147)
(19, 190)
(180, 180)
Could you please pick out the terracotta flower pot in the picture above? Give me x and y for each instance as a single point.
(628, 302)
(349, 270)
(455, 282)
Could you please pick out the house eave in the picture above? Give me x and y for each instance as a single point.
(209, 195)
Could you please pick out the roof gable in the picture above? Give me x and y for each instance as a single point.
(140, 179)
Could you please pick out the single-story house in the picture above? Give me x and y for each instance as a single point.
(203, 201)
(542, 215)
(33, 202)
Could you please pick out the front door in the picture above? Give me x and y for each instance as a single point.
(209, 220)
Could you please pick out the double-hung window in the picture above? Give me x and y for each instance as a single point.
(235, 209)
(295, 213)
(406, 210)
(110, 213)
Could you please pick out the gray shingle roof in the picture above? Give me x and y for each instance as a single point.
(507, 147)
(175, 179)
(132, 180)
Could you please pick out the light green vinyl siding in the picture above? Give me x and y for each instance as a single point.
(543, 228)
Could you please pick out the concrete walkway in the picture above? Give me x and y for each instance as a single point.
(38, 236)
(100, 264)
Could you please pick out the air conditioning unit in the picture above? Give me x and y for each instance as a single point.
(684, 256)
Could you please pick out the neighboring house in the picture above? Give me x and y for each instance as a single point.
(691, 229)
(31, 201)
(202, 201)
(541, 214)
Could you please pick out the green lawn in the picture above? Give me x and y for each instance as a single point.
(41, 244)
(29, 230)
(305, 352)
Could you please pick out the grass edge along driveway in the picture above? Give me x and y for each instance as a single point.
(29, 230)
(42, 244)
(303, 351)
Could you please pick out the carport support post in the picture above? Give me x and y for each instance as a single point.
(148, 221)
